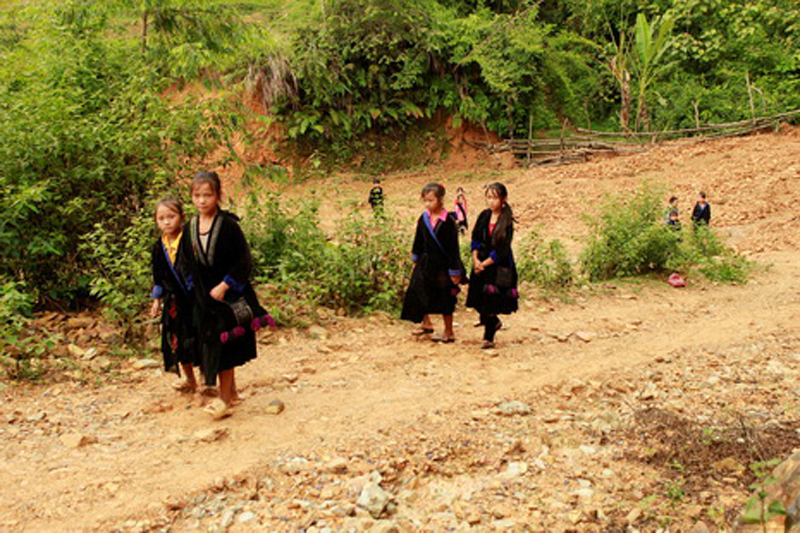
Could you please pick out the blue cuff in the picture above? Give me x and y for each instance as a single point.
(157, 292)
(493, 255)
(414, 257)
(476, 245)
(454, 273)
(233, 284)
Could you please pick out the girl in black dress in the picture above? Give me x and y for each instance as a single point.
(171, 295)
(437, 267)
(493, 283)
(227, 312)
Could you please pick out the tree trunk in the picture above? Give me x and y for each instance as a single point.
(625, 111)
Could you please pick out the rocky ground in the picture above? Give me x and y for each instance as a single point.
(626, 407)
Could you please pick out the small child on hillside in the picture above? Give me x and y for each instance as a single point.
(437, 267)
(171, 295)
(701, 214)
(493, 281)
(461, 211)
(673, 221)
(376, 199)
(671, 208)
(227, 312)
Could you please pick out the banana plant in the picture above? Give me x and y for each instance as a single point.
(653, 40)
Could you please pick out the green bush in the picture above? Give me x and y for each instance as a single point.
(628, 237)
(123, 276)
(21, 347)
(363, 268)
(545, 264)
(369, 266)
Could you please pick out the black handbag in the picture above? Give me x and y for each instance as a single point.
(504, 278)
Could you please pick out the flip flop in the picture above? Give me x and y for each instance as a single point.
(487, 345)
(442, 339)
(422, 331)
(184, 386)
(217, 409)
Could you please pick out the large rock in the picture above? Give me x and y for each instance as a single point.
(373, 498)
(785, 490)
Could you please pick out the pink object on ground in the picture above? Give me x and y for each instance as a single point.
(676, 280)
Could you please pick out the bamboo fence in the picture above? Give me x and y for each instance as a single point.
(579, 144)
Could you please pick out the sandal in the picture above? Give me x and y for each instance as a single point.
(208, 392)
(487, 345)
(184, 386)
(443, 339)
(422, 331)
(238, 400)
(217, 409)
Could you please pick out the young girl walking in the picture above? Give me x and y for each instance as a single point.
(493, 283)
(461, 210)
(227, 312)
(171, 295)
(437, 267)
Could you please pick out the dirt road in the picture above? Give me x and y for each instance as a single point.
(94, 458)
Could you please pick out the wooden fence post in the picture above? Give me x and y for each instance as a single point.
(750, 95)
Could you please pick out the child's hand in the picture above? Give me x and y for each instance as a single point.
(478, 267)
(155, 308)
(218, 292)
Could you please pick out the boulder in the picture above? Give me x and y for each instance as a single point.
(373, 498)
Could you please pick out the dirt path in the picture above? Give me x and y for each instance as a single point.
(363, 377)
(366, 377)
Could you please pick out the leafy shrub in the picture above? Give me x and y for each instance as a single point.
(629, 238)
(20, 346)
(363, 268)
(123, 276)
(545, 264)
(369, 266)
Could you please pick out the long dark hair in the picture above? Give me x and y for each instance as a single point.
(506, 218)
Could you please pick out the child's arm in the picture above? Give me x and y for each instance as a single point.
(419, 241)
(155, 308)
(157, 293)
(476, 243)
(238, 253)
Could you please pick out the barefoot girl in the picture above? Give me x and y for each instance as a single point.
(171, 295)
(493, 283)
(437, 267)
(227, 312)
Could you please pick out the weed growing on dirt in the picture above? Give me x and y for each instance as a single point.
(21, 348)
(757, 510)
(546, 264)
